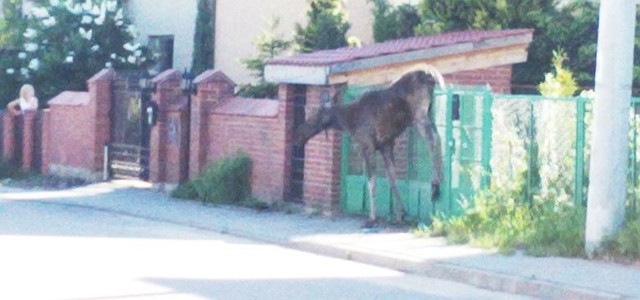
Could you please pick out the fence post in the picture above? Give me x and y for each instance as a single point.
(105, 165)
(487, 121)
(580, 144)
(449, 143)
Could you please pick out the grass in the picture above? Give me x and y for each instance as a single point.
(545, 227)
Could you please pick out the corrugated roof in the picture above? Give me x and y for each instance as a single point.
(347, 54)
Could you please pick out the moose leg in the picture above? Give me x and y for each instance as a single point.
(389, 164)
(370, 168)
(429, 132)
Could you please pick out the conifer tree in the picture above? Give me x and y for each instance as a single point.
(203, 39)
(326, 29)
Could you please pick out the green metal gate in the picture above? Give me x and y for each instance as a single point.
(532, 145)
(463, 119)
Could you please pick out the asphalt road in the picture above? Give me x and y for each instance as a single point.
(54, 251)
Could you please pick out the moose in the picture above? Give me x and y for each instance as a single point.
(376, 120)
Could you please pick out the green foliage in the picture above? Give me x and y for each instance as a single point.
(499, 219)
(9, 170)
(326, 29)
(625, 244)
(11, 23)
(227, 181)
(572, 26)
(560, 84)
(269, 45)
(393, 22)
(74, 39)
(203, 39)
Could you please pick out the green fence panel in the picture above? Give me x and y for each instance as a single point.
(489, 140)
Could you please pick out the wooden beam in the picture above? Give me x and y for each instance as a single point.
(448, 64)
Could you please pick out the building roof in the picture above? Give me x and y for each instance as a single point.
(329, 57)
(400, 51)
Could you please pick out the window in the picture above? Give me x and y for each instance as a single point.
(162, 48)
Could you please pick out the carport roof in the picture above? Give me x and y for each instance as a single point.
(400, 51)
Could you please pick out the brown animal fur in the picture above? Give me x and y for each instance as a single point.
(376, 120)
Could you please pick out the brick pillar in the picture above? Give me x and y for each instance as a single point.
(322, 159)
(169, 137)
(29, 119)
(46, 143)
(212, 88)
(100, 107)
(8, 134)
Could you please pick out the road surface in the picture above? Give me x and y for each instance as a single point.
(49, 250)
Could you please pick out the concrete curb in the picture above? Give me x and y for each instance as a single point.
(447, 271)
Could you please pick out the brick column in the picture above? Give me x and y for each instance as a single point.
(8, 134)
(100, 107)
(322, 159)
(169, 148)
(212, 88)
(46, 142)
(29, 119)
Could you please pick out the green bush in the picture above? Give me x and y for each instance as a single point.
(226, 181)
(625, 244)
(8, 170)
(500, 219)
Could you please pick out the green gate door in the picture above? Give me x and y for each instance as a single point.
(463, 119)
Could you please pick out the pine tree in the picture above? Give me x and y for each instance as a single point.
(326, 29)
(393, 22)
(269, 44)
(204, 37)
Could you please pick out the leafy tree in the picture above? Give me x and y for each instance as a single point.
(64, 43)
(269, 45)
(203, 39)
(10, 23)
(393, 22)
(573, 27)
(326, 29)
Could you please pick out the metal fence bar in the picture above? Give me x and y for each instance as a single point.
(580, 145)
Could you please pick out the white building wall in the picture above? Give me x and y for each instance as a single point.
(238, 22)
(167, 17)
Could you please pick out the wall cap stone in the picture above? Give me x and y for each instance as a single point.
(212, 75)
(104, 74)
(248, 107)
(70, 98)
(167, 75)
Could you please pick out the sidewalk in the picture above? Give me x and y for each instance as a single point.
(548, 278)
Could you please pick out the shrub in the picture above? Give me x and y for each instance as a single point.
(625, 244)
(226, 181)
(498, 219)
(8, 170)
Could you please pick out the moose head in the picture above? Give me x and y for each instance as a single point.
(321, 120)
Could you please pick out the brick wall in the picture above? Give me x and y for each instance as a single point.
(75, 129)
(222, 124)
(499, 78)
(322, 158)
